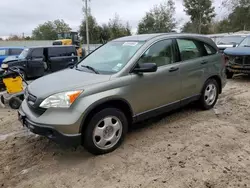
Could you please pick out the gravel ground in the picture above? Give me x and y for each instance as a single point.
(187, 148)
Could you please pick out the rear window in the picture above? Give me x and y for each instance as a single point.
(15, 51)
(3, 52)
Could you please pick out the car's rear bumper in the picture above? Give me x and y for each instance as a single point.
(49, 132)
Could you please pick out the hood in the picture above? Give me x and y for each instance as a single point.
(11, 58)
(238, 51)
(66, 80)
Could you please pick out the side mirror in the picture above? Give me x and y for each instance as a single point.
(146, 67)
(4, 66)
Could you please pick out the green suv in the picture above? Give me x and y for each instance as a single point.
(124, 81)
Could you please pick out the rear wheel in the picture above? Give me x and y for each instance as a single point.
(23, 74)
(105, 131)
(209, 94)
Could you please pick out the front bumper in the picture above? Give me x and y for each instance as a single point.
(65, 134)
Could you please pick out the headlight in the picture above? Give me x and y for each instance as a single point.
(61, 100)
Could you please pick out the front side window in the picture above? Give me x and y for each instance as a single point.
(37, 53)
(189, 49)
(160, 53)
(111, 57)
(3, 52)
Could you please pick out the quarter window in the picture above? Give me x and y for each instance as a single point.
(188, 49)
(210, 50)
(161, 53)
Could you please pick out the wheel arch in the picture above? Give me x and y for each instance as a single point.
(218, 80)
(118, 103)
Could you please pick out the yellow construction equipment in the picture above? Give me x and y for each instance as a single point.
(69, 38)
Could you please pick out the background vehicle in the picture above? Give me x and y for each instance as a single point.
(36, 61)
(11, 52)
(238, 59)
(229, 42)
(69, 38)
(126, 80)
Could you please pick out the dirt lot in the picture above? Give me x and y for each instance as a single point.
(188, 148)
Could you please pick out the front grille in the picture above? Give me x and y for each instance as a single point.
(247, 60)
(33, 104)
(239, 60)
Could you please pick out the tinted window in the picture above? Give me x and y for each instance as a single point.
(71, 51)
(58, 51)
(3, 52)
(15, 51)
(161, 53)
(209, 49)
(189, 49)
(37, 53)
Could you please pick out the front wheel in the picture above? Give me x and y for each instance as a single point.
(105, 132)
(210, 94)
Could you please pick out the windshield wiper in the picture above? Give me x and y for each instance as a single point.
(90, 68)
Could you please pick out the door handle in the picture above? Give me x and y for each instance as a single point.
(204, 62)
(173, 69)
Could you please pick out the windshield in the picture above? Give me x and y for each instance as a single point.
(24, 54)
(230, 40)
(64, 36)
(111, 57)
(245, 42)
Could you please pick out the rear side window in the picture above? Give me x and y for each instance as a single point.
(189, 49)
(57, 51)
(15, 51)
(209, 49)
(37, 53)
(3, 52)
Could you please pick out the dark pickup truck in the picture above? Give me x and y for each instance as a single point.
(37, 61)
(238, 59)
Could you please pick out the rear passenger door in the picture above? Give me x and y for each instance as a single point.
(192, 68)
(35, 65)
(61, 58)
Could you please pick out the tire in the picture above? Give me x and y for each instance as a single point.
(21, 72)
(15, 103)
(209, 98)
(229, 74)
(110, 123)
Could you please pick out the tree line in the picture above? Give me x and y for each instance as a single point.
(160, 18)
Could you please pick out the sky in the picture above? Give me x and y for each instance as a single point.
(22, 16)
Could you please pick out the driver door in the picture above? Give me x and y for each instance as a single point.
(35, 64)
(159, 91)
